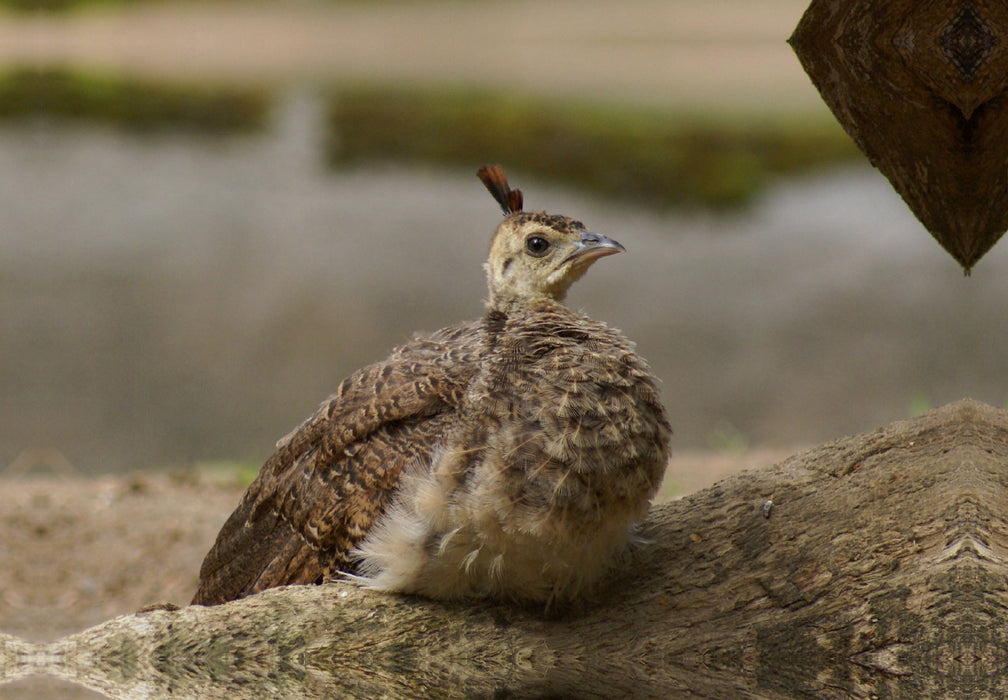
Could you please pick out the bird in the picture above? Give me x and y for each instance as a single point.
(509, 457)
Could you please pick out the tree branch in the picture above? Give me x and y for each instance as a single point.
(880, 571)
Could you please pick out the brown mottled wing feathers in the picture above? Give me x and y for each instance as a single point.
(331, 478)
(583, 409)
(494, 179)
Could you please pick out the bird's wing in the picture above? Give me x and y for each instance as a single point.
(332, 477)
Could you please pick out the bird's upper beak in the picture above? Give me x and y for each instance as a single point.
(593, 246)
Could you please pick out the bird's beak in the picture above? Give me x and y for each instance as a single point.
(593, 246)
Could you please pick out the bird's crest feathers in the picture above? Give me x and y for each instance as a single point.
(495, 180)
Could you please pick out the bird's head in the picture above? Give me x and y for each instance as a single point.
(535, 255)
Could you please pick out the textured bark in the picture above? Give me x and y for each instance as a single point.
(17, 659)
(920, 87)
(879, 571)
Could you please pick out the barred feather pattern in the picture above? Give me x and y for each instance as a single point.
(561, 447)
(331, 477)
(506, 458)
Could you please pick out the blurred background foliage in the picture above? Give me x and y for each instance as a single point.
(131, 103)
(639, 154)
(58, 5)
(644, 155)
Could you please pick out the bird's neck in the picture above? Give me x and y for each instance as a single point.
(509, 303)
(522, 309)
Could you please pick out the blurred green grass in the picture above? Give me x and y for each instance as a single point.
(640, 154)
(131, 103)
(61, 5)
(58, 5)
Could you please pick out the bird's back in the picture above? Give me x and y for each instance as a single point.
(330, 478)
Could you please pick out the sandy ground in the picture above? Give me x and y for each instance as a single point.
(79, 550)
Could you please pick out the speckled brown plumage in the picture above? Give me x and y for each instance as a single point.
(504, 457)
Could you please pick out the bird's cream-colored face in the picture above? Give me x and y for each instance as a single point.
(536, 255)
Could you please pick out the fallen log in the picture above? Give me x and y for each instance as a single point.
(873, 566)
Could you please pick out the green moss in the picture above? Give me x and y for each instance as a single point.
(60, 5)
(632, 153)
(56, 5)
(131, 103)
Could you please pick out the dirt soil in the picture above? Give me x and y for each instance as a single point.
(77, 550)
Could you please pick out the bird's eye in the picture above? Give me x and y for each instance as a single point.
(537, 246)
